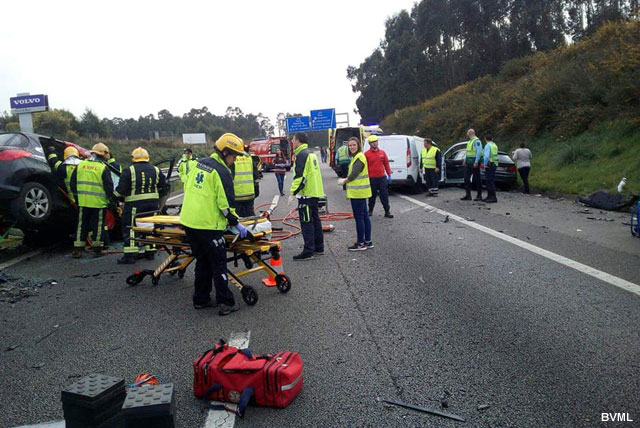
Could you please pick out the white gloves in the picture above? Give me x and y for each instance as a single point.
(341, 181)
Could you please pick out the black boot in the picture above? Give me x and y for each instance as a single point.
(126, 259)
(467, 197)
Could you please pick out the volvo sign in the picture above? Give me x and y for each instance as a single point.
(29, 103)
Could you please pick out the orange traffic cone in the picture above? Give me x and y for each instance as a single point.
(276, 265)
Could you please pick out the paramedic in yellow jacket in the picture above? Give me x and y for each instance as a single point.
(308, 189)
(206, 212)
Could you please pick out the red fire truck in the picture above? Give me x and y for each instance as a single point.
(265, 148)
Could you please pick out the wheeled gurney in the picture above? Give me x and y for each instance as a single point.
(166, 234)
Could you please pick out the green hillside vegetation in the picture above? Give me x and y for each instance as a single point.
(577, 108)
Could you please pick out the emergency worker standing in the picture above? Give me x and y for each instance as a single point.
(186, 164)
(430, 160)
(64, 170)
(92, 186)
(472, 162)
(206, 211)
(140, 186)
(490, 166)
(307, 187)
(343, 159)
(244, 184)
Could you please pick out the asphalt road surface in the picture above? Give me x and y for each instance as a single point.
(439, 314)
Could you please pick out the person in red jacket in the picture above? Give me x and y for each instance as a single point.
(379, 176)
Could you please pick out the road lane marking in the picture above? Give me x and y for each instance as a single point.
(19, 259)
(175, 197)
(603, 276)
(222, 418)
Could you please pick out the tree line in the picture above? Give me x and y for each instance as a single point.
(441, 44)
(64, 124)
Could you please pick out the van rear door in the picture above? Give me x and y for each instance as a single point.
(396, 147)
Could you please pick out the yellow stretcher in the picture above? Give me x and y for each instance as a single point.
(165, 233)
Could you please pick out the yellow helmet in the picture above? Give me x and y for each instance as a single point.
(140, 155)
(372, 138)
(71, 151)
(100, 149)
(230, 141)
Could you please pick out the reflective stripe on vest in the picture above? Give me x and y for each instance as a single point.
(493, 155)
(359, 188)
(471, 148)
(243, 178)
(429, 157)
(145, 185)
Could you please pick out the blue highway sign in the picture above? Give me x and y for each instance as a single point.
(298, 124)
(323, 119)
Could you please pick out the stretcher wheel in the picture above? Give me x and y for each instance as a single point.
(134, 279)
(181, 274)
(249, 295)
(283, 283)
(155, 280)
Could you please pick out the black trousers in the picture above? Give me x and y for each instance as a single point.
(207, 246)
(131, 209)
(311, 225)
(431, 180)
(379, 185)
(524, 174)
(245, 208)
(475, 172)
(91, 223)
(343, 170)
(490, 175)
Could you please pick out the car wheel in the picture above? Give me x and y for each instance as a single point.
(34, 205)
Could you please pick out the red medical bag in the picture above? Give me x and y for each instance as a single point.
(226, 373)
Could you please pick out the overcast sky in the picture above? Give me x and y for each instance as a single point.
(132, 58)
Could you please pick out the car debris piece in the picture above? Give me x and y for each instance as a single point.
(483, 407)
(446, 219)
(421, 280)
(421, 409)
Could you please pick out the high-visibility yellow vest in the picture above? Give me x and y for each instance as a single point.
(243, 185)
(343, 154)
(493, 155)
(471, 148)
(205, 199)
(89, 184)
(429, 157)
(359, 188)
(313, 187)
(148, 188)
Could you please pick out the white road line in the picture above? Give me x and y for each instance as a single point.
(174, 197)
(274, 202)
(603, 276)
(19, 259)
(222, 418)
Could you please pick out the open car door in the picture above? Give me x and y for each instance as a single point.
(167, 168)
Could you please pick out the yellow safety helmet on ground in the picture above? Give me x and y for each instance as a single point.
(140, 155)
(372, 138)
(71, 151)
(230, 141)
(100, 149)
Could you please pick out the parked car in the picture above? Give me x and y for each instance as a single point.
(453, 171)
(403, 152)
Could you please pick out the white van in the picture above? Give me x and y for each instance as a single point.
(403, 152)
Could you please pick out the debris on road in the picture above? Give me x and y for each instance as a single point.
(37, 366)
(446, 219)
(11, 347)
(421, 409)
(421, 280)
(483, 407)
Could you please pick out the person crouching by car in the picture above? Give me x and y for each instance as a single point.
(140, 186)
(93, 188)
